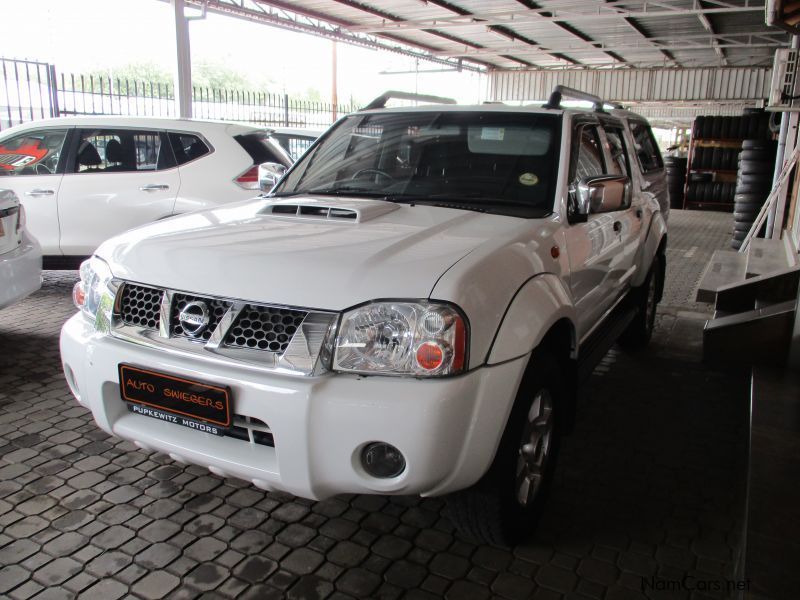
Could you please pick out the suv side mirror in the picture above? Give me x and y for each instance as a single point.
(268, 175)
(598, 194)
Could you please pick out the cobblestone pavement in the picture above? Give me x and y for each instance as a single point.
(646, 490)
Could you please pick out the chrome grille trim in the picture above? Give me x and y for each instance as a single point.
(299, 355)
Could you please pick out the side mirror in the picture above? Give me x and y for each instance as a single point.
(598, 194)
(268, 175)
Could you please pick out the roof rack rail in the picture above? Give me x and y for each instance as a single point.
(381, 100)
(561, 90)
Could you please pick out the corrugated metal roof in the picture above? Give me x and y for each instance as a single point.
(513, 34)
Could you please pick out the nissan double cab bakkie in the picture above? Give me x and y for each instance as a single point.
(411, 309)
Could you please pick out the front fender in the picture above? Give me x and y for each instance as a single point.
(538, 305)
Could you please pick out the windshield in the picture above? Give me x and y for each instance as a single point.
(489, 161)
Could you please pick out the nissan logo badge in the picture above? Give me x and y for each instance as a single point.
(194, 318)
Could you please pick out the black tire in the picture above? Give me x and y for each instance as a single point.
(697, 128)
(742, 226)
(753, 131)
(691, 192)
(716, 158)
(716, 127)
(645, 298)
(717, 193)
(749, 198)
(745, 215)
(489, 511)
(763, 155)
(708, 128)
(736, 244)
(744, 126)
(755, 167)
(739, 235)
(759, 144)
(756, 189)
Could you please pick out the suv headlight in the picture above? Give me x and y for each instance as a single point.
(423, 339)
(92, 295)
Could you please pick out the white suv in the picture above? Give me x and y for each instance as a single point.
(409, 312)
(20, 255)
(85, 179)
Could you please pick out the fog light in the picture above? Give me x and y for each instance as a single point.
(382, 460)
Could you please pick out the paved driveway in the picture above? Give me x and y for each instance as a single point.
(647, 501)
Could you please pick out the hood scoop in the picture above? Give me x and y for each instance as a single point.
(322, 209)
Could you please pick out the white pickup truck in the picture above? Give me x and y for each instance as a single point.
(409, 311)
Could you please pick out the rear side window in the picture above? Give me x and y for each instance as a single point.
(293, 144)
(119, 150)
(187, 147)
(261, 149)
(589, 159)
(647, 152)
(32, 152)
(616, 151)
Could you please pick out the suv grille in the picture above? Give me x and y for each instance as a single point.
(216, 309)
(264, 328)
(140, 306)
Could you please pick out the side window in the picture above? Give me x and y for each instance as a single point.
(647, 152)
(187, 147)
(32, 152)
(118, 150)
(616, 152)
(589, 158)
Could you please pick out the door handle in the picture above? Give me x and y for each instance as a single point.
(154, 187)
(40, 193)
(638, 213)
(617, 226)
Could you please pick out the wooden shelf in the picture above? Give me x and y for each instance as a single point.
(711, 143)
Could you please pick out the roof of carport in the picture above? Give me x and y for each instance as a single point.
(512, 34)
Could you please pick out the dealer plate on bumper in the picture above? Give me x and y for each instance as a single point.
(186, 402)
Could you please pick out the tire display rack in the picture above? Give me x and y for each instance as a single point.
(712, 159)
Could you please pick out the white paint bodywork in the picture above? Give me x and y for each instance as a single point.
(71, 214)
(20, 256)
(513, 278)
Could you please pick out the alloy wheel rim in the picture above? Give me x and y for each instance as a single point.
(534, 448)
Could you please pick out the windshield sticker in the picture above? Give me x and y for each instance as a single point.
(528, 179)
(496, 134)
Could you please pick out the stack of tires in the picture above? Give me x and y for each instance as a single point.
(702, 188)
(753, 185)
(749, 126)
(676, 179)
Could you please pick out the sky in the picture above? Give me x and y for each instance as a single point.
(85, 35)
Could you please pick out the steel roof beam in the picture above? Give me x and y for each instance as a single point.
(710, 29)
(531, 5)
(500, 30)
(611, 11)
(291, 19)
(601, 46)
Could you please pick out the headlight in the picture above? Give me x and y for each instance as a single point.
(402, 338)
(92, 295)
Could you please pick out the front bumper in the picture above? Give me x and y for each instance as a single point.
(447, 429)
(20, 271)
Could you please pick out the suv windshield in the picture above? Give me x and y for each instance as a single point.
(496, 162)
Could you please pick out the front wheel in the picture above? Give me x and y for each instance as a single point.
(504, 506)
(645, 297)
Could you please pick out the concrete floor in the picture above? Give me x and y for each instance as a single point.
(647, 491)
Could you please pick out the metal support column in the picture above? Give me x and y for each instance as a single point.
(780, 158)
(183, 55)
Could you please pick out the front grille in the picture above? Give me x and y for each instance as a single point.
(264, 328)
(216, 309)
(256, 335)
(140, 306)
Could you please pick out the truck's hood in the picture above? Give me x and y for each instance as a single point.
(329, 261)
